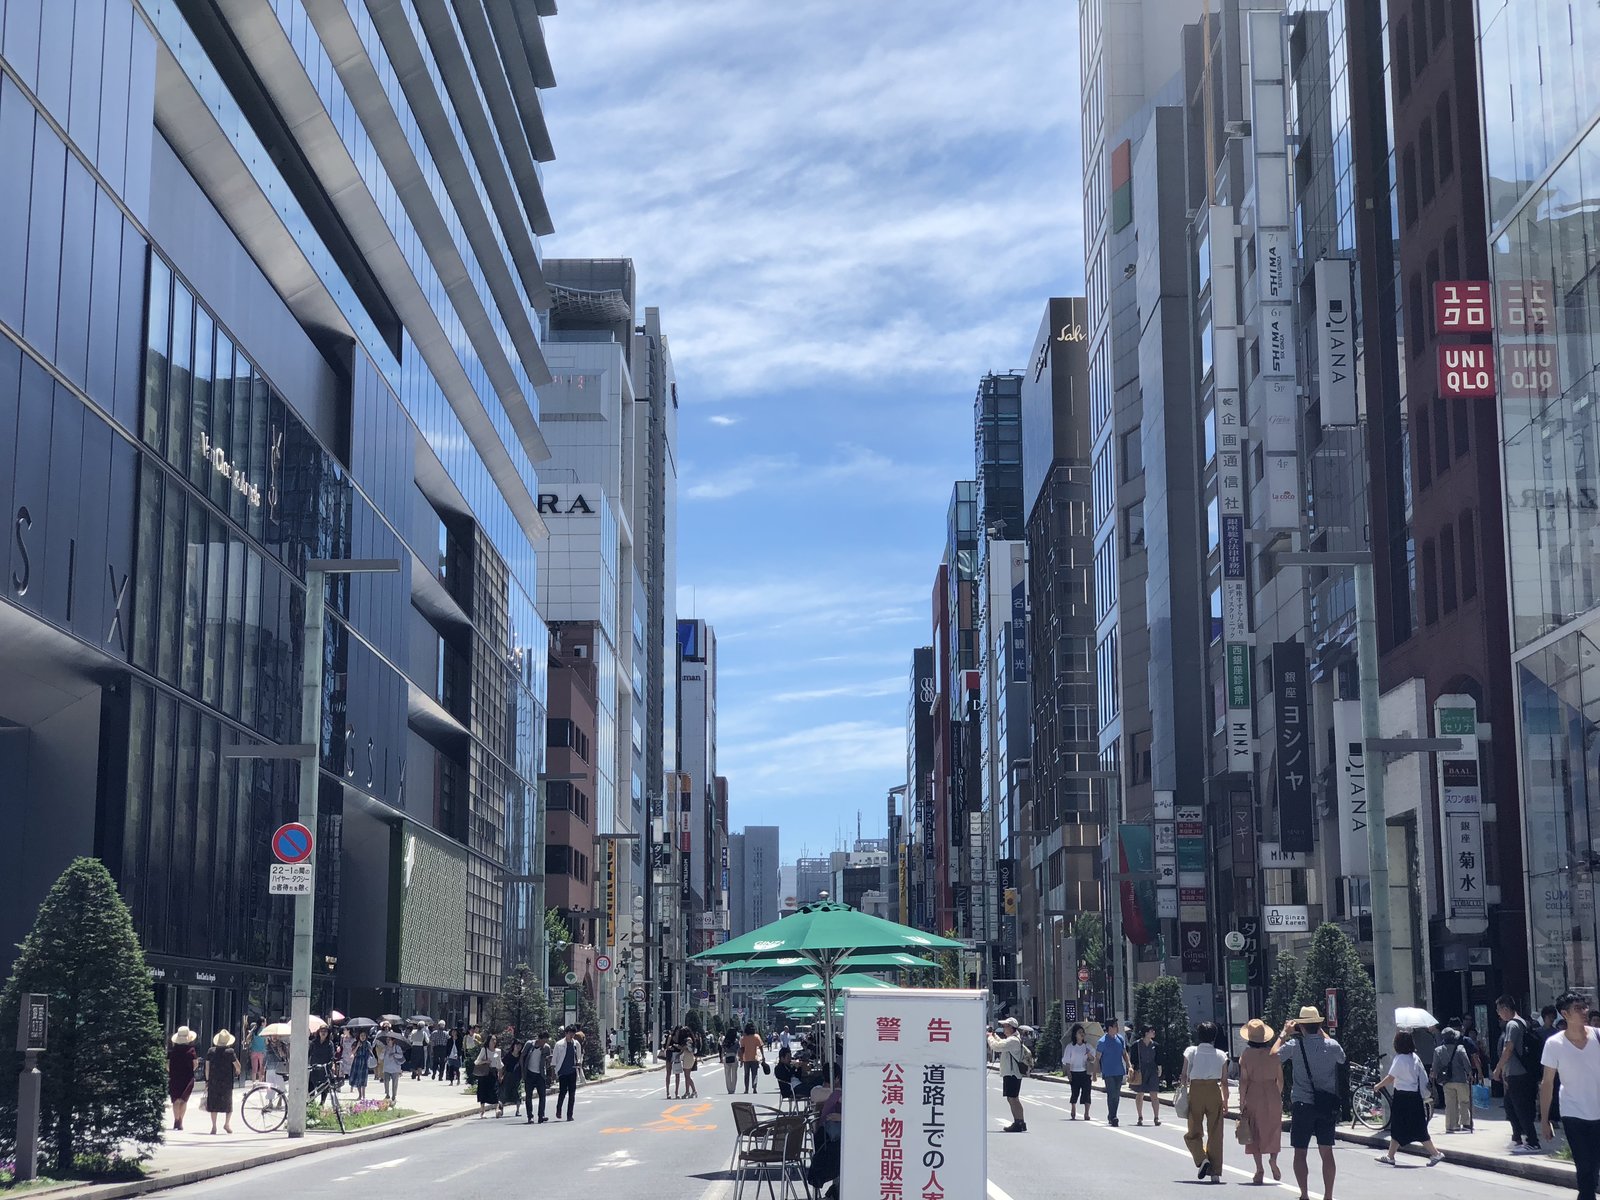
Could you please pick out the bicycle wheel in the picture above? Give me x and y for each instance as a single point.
(338, 1108)
(264, 1109)
(1370, 1107)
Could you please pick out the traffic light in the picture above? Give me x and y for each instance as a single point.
(1011, 902)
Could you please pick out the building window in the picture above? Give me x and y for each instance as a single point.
(1424, 452)
(1469, 556)
(1408, 175)
(1430, 583)
(1402, 57)
(1416, 316)
(1441, 21)
(1441, 440)
(1419, 42)
(1139, 758)
(1452, 253)
(1132, 456)
(1463, 429)
(564, 734)
(1132, 529)
(1447, 138)
(1425, 155)
(1447, 567)
(1216, 614)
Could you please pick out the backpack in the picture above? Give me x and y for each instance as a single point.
(1532, 1054)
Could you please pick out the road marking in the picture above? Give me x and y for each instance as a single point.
(671, 1120)
(722, 1189)
(618, 1159)
(996, 1192)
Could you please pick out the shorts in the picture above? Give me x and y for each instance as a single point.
(1011, 1086)
(1307, 1121)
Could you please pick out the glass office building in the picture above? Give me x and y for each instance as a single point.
(272, 295)
(1541, 101)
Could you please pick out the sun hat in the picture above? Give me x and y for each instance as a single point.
(1309, 1015)
(223, 1040)
(184, 1036)
(1256, 1032)
(1011, 1021)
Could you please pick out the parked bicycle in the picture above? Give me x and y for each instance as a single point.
(1369, 1105)
(265, 1107)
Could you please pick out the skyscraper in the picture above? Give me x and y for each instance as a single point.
(273, 298)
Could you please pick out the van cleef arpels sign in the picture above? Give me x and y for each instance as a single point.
(217, 458)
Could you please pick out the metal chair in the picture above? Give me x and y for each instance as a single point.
(749, 1130)
(784, 1152)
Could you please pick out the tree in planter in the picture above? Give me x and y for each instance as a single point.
(557, 937)
(1283, 997)
(1047, 1050)
(594, 1050)
(1160, 1003)
(520, 1006)
(1332, 962)
(105, 1075)
(635, 1031)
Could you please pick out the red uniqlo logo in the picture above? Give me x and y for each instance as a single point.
(1466, 372)
(1461, 308)
(1524, 305)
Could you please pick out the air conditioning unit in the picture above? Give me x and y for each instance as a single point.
(580, 652)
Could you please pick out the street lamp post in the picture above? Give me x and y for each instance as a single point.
(609, 915)
(317, 571)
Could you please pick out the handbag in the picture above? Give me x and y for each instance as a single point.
(1180, 1102)
(1244, 1130)
(1135, 1077)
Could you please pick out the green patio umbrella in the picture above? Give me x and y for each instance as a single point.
(830, 935)
(797, 964)
(811, 985)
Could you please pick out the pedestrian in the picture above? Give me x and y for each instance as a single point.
(319, 1061)
(511, 1076)
(1146, 1074)
(222, 1069)
(1408, 1116)
(688, 1059)
(536, 1071)
(1517, 1068)
(277, 1066)
(486, 1071)
(1474, 1045)
(1111, 1053)
(1314, 1094)
(438, 1050)
(730, 1057)
(181, 1060)
(258, 1052)
(452, 1059)
(1075, 1058)
(1015, 1062)
(1452, 1071)
(359, 1064)
(1261, 1098)
(1550, 1020)
(785, 1039)
(1205, 1074)
(565, 1059)
(1573, 1056)
(394, 1064)
(470, 1045)
(752, 1054)
(417, 1054)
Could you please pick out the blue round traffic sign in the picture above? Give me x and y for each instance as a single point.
(292, 843)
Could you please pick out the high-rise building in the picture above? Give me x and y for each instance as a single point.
(753, 877)
(919, 832)
(702, 829)
(1539, 106)
(957, 792)
(272, 297)
(1051, 836)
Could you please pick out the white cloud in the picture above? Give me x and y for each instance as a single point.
(828, 190)
(860, 690)
(794, 763)
(780, 474)
(723, 420)
(806, 600)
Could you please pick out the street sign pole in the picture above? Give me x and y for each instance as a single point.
(32, 1031)
(305, 902)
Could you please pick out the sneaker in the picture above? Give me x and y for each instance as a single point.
(1527, 1148)
(1435, 1160)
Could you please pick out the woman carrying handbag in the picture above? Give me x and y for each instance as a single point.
(1204, 1085)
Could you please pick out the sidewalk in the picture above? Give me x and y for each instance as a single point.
(192, 1153)
(1487, 1147)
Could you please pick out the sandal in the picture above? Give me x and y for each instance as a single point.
(1384, 1158)
(1276, 1174)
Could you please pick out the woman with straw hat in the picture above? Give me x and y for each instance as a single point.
(181, 1060)
(1260, 1098)
(222, 1068)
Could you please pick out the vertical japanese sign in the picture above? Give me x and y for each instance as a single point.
(1019, 632)
(1136, 854)
(916, 1075)
(1461, 816)
(1336, 345)
(1296, 816)
(611, 891)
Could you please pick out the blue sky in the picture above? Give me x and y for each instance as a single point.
(847, 213)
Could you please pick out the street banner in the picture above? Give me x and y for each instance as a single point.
(1349, 758)
(916, 1073)
(1136, 844)
(1296, 806)
(1461, 816)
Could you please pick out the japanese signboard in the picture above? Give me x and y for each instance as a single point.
(33, 1022)
(1192, 939)
(1290, 693)
(1466, 372)
(1461, 816)
(1287, 918)
(1524, 306)
(1462, 306)
(916, 1075)
(1336, 354)
(1275, 858)
(1350, 761)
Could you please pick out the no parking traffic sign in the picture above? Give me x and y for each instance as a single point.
(292, 843)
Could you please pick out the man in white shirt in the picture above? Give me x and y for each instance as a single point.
(1574, 1055)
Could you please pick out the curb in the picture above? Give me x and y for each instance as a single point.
(157, 1183)
(1530, 1168)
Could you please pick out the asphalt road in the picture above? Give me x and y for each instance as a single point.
(629, 1141)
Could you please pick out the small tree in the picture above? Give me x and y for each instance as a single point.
(1047, 1050)
(635, 1031)
(1160, 1003)
(520, 1006)
(1332, 962)
(696, 1025)
(557, 937)
(1284, 995)
(950, 973)
(594, 1050)
(105, 1076)
(1090, 932)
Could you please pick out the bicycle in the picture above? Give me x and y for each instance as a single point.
(1369, 1107)
(265, 1107)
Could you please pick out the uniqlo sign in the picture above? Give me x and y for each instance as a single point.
(1524, 305)
(1462, 307)
(1466, 372)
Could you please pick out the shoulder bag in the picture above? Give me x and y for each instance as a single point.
(1327, 1103)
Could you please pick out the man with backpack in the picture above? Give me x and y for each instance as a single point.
(1016, 1060)
(1452, 1071)
(1519, 1069)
